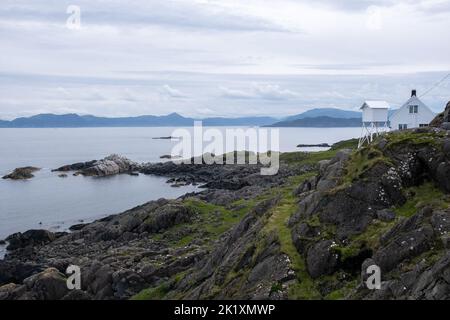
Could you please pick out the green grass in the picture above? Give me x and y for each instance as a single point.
(425, 194)
(277, 223)
(414, 138)
(341, 293)
(370, 238)
(217, 219)
(303, 158)
(156, 293)
(361, 161)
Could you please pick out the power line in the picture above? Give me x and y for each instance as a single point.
(435, 85)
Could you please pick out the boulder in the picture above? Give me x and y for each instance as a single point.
(443, 176)
(111, 165)
(22, 173)
(320, 259)
(76, 166)
(29, 238)
(166, 217)
(443, 117)
(50, 284)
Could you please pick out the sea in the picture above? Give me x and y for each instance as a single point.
(50, 202)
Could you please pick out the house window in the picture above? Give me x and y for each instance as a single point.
(402, 126)
(423, 125)
(413, 109)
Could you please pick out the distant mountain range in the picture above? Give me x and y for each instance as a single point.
(326, 112)
(323, 117)
(171, 120)
(320, 122)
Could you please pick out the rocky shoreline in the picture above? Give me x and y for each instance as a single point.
(308, 232)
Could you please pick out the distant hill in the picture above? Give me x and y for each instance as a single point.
(322, 118)
(247, 121)
(171, 120)
(320, 122)
(325, 112)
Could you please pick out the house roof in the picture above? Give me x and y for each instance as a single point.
(375, 104)
(413, 99)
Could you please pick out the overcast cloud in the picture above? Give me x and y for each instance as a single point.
(226, 58)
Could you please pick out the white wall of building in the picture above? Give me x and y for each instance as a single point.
(412, 120)
(375, 115)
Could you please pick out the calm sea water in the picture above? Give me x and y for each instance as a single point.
(50, 202)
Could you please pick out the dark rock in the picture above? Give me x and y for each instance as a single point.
(17, 271)
(22, 173)
(443, 176)
(78, 226)
(320, 259)
(446, 148)
(403, 246)
(29, 238)
(168, 156)
(445, 126)
(167, 138)
(320, 145)
(433, 284)
(303, 235)
(76, 166)
(167, 216)
(385, 215)
(442, 117)
(77, 295)
(50, 284)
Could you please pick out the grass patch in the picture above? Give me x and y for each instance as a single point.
(311, 158)
(341, 293)
(361, 161)
(277, 223)
(414, 138)
(157, 293)
(418, 197)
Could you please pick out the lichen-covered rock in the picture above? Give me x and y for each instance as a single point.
(110, 165)
(50, 284)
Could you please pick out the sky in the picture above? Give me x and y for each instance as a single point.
(230, 58)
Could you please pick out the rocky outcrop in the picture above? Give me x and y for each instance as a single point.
(29, 238)
(49, 284)
(442, 120)
(22, 173)
(339, 206)
(111, 165)
(309, 232)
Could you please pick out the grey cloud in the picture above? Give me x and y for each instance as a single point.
(167, 13)
(259, 91)
(172, 92)
(435, 7)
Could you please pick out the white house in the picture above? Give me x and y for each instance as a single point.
(374, 120)
(375, 112)
(413, 114)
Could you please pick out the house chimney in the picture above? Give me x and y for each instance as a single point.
(414, 93)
